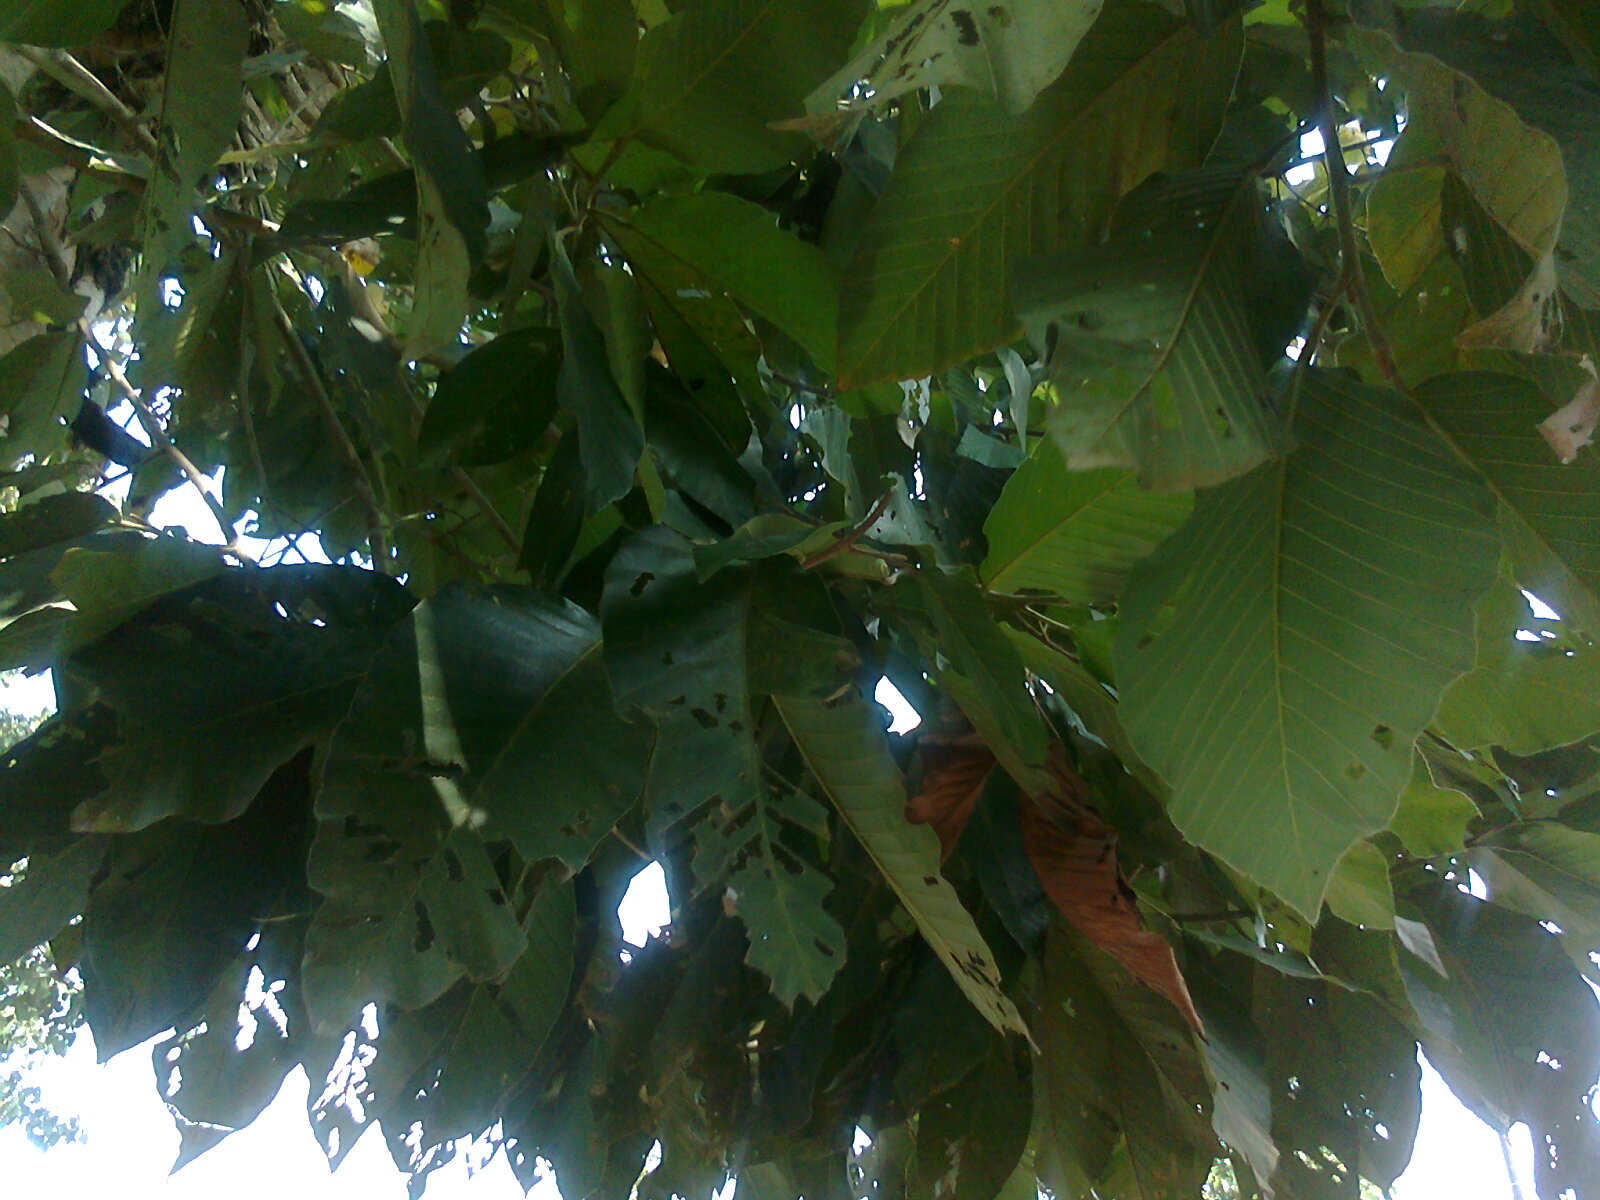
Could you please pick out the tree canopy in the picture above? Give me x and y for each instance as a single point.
(660, 377)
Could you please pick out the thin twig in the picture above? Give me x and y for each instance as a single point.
(377, 542)
(486, 506)
(1354, 276)
(77, 78)
(161, 441)
(851, 536)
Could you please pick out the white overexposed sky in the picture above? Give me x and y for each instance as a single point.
(131, 1142)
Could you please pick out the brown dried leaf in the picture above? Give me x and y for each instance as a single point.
(1074, 853)
(954, 770)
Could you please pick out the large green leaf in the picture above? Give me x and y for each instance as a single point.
(733, 246)
(1549, 872)
(843, 745)
(1008, 51)
(712, 80)
(1073, 533)
(1279, 654)
(1147, 336)
(452, 740)
(975, 191)
(496, 402)
(39, 905)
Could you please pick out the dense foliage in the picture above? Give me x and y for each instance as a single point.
(663, 376)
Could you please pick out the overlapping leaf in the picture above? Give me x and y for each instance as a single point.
(843, 746)
(1277, 658)
(453, 738)
(1148, 341)
(1073, 533)
(976, 191)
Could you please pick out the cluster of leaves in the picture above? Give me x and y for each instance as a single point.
(663, 376)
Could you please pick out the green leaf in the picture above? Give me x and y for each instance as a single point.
(1513, 1029)
(451, 203)
(1518, 62)
(51, 520)
(1549, 872)
(1076, 534)
(778, 894)
(37, 907)
(1546, 507)
(1535, 686)
(263, 685)
(675, 648)
(975, 191)
(733, 246)
(51, 23)
(1117, 1064)
(1147, 337)
(1431, 820)
(1359, 891)
(970, 1137)
(712, 80)
(41, 385)
(609, 436)
(843, 745)
(1007, 51)
(496, 402)
(1278, 656)
(447, 744)
(174, 903)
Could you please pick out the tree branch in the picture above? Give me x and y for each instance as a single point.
(77, 78)
(161, 441)
(376, 539)
(849, 538)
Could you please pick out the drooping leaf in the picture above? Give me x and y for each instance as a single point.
(1148, 341)
(36, 908)
(1278, 689)
(176, 903)
(451, 209)
(1118, 1066)
(1512, 1027)
(1073, 533)
(843, 746)
(183, 686)
(976, 191)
